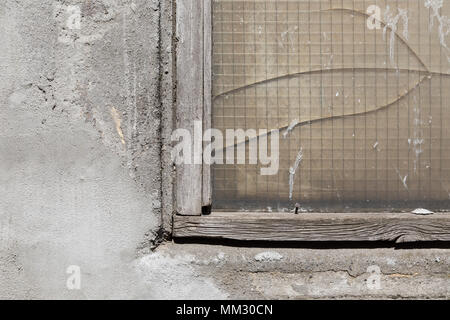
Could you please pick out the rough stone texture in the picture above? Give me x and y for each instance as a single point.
(80, 144)
(261, 273)
(86, 176)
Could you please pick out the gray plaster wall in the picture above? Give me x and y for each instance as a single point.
(80, 144)
(86, 178)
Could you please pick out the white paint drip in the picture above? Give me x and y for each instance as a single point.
(375, 146)
(292, 172)
(403, 179)
(392, 23)
(286, 37)
(260, 29)
(330, 62)
(417, 141)
(444, 22)
(291, 127)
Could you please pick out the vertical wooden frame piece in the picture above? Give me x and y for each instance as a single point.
(207, 94)
(190, 99)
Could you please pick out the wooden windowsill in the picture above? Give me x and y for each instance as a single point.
(245, 226)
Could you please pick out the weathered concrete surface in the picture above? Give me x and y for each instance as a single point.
(86, 179)
(261, 273)
(80, 169)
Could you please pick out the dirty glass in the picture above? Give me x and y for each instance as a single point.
(359, 91)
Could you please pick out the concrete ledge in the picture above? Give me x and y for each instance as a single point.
(261, 273)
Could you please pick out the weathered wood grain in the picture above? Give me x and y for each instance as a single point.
(396, 227)
(189, 31)
(207, 94)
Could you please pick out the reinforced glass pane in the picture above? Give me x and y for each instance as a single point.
(359, 91)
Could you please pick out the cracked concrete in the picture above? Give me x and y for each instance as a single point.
(315, 273)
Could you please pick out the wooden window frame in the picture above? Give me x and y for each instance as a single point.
(193, 182)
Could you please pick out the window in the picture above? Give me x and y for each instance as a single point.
(354, 93)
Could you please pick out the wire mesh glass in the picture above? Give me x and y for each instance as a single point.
(360, 87)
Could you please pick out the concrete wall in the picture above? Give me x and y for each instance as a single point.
(86, 179)
(80, 143)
